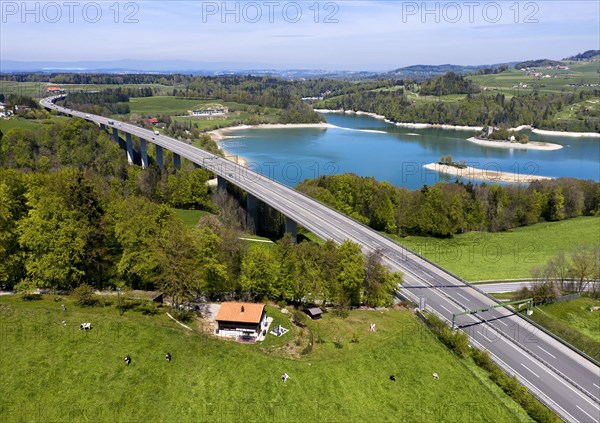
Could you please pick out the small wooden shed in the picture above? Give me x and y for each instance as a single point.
(314, 312)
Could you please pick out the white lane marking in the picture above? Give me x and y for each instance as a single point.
(581, 409)
(596, 385)
(446, 309)
(551, 372)
(500, 321)
(525, 380)
(546, 351)
(462, 296)
(488, 339)
(536, 375)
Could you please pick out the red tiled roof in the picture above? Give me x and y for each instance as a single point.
(151, 120)
(54, 89)
(232, 312)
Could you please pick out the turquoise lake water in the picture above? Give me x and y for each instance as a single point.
(370, 147)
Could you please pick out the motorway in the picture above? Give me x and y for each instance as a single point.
(564, 380)
(515, 286)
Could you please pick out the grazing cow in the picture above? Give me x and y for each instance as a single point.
(393, 378)
(127, 360)
(85, 326)
(436, 376)
(63, 307)
(168, 357)
(285, 377)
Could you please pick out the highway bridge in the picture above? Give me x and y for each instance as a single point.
(563, 379)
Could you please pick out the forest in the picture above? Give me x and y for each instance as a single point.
(475, 110)
(449, 208)
(73, 213)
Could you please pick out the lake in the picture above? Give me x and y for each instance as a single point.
(371, 147)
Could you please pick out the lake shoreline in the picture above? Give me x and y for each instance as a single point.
(531, 145)
(220, 135)
(459, 127)
(484, 174)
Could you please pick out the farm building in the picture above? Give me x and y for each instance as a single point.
(314, 312)
(208, 112)
(244, 321)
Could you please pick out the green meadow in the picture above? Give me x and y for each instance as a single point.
(52, 371)
(505, 255)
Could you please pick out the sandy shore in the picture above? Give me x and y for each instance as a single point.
(566, 134)
(531, 145)
(221, 134)
(402, 124)
(490, 175)
(460, 127)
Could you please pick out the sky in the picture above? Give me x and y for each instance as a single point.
(329, 35)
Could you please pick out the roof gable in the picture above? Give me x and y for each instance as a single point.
(240, 312)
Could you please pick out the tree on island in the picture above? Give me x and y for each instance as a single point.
(447, 160)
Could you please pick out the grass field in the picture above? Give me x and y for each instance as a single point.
(190, 217)
(55, 372)
(31, 124)
(574, 322)
(38, 89)
(180, 106)
(505, 255)
(579, 72)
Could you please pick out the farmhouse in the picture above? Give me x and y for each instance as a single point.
(208, 112)
(244, 321)
(54, 90)
(151, 121)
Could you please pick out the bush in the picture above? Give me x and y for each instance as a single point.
(84, 295)
(339, 342)
(147, 308)
(27, 290)
(298, 318)
(185, 316)
(457, 341)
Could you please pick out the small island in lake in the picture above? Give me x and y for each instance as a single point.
(491, 173)
(505, 138)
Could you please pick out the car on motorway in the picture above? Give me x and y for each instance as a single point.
(156, 133)
(111, 122)
(87, 116)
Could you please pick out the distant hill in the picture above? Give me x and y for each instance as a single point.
(587, 55)
(424, 72)
(537, 63)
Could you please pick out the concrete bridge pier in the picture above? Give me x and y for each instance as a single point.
(177, 161)
(102, 127)
(159, 157)
(144, 153)
(116, 135)
(291, 227)
(129, 148)
(221, 183)
(252, 209)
